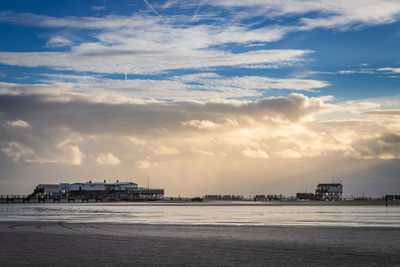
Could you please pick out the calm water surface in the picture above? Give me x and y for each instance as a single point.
(204, 214)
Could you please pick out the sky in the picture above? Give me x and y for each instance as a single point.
(201, 97)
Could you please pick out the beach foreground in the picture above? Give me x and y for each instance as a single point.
(107, 244)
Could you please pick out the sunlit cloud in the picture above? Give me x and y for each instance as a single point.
(16, 151)
(19, 124)
(255, 153)
(107, 159)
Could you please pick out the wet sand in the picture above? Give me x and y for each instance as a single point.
(106, 244)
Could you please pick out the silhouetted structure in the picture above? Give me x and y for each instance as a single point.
(329, 191)
(324, 192)
(97, 191)
(305, 196)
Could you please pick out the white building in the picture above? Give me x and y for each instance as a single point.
(330, 188)
(97, 186)
(48, 188)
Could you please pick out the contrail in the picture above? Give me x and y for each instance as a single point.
(198, 9)
(155, 11)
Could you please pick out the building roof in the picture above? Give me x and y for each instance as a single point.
(49, 185)
(103, 183)
(329, 184)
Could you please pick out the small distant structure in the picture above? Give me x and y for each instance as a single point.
(305, 196)
(329, 191)
(324, 192)
(223, 197)
(213, 197)
(259, 198)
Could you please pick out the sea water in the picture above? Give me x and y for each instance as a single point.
(227, 214)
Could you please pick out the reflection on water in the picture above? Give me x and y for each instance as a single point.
(204, 214)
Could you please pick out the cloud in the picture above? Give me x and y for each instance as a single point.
(143, 44)
(185, 87)
(148, 138)
(137, 141)
(165, 151)
(58, 41)
(201, 86)
(258, 153)
(272, 128)
(146, 43)
(146, 164)
(19, 124)
(143, 164)
(108, 22)
(70, 154)
(203, 152)
(16, 151)
(386, 146)
(327, 13)
(201, 125)
(383, 112)
(371, 71)
(46, 143)
(109, 60)
(140, 117)
(99, 8)
(289, 154)
(390, 70)
(214, 81)
(107, 159)
(62, 153)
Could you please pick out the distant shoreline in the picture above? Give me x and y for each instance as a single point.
(378, 202)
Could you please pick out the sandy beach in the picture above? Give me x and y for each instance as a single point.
(107, 244)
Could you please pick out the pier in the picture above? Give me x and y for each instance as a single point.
(145, 195)
(86, 192)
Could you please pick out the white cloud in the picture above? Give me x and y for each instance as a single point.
(136, 141)
(143, 44)
(146, 164)
(203, 152)
(107, 159)
(108, 22)
(288, 153)
(63, 153)
(103, 59)
(163, 150)
(19, 124)
(375, 71)
(214, 81)
(58, 41)
(339, 14)
(257, 153)
(143, 164)
(71, 155)
(389, 69)
(16, 151)
(201, 86)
